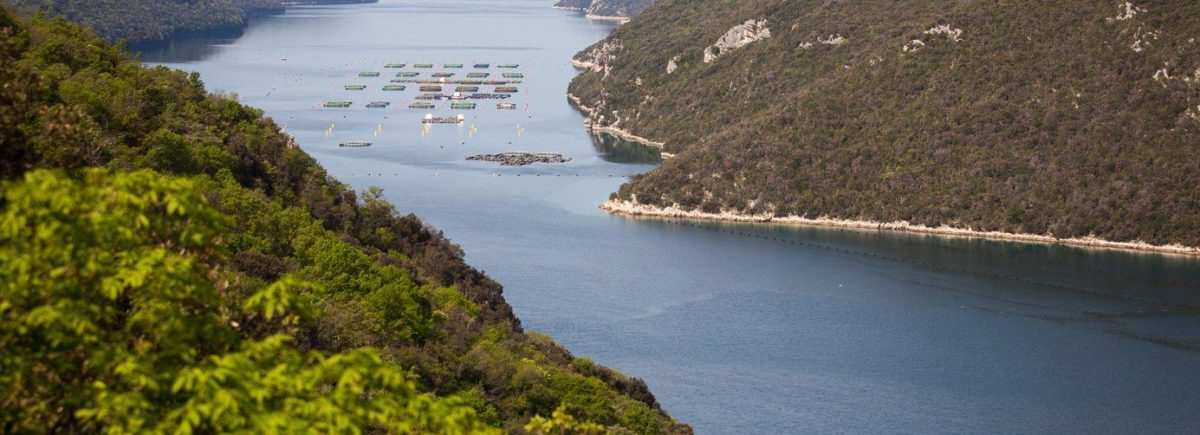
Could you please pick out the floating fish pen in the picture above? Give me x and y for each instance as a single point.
(369, 74)
(506, 106)
(483, 66)
(430, 119)
(421, 105)
(453, 65)
(394, 87)
(513, 75)
(407, 74)
(466, 89)
(477, 75)
(488, 96)
(355, 87)
(338, 104)
(462, 106)
(355, 144)
(506, 89)
(443, 74)
(501, 82)
(378, 105)
(508, 65)
(430, 88)
(423, 65)
(432, 97)
(394, 65)
(520, 158)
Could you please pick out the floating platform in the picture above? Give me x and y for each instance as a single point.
(430, 119)
(422, 65)
(407, 74)
(378, 105)
(421, 105)
(369, 74)
(478, 75)
(488, 96)
(355, 87)
(462, 106)
(355, 144)
(443, 74)
(337, 104)
(516, 158)
(394, 87)
(508, 65)
(395, 65)
(432, 97)
(506, 89)
(506, 106)
(483, 66)
(513, 75)
(453, 65)
(466, 89)
(430, 89)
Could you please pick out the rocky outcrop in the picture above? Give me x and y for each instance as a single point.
(737, 37)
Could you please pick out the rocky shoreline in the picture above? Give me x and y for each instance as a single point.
(632, 208)
(615, 131)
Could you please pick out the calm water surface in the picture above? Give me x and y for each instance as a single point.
(737, 328)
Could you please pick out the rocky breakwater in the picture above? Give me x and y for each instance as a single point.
(520, 158)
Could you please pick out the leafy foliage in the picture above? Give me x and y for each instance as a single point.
(186, 266)
(1069, 118)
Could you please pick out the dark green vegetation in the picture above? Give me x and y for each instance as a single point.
(156, 20)
(1069, 118)
(607, 8)
(169, 260)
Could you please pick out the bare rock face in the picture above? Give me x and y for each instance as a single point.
(598, 57)
(738, 36)
(673, 64)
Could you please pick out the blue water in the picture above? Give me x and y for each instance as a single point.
(736, 328)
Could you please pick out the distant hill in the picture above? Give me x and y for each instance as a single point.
(155, 20)
(607, 8)
(1071, 118)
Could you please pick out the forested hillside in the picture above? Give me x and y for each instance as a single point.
(170, 261)
(607, 8)
(1068, 118)
(155, 20)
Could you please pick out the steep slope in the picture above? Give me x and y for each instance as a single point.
(170, 260)
(1067, 119)
(606, 8)
(155, 20)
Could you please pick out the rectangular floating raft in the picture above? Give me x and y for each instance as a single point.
(512, 75)
(462, 106)
(507, 65)
(443, 74)
(369, 74)
(355, 87)
(338, 103)
(394, 65)
(407, 74)
(477, 75)
(466, 89)
(506, 89)
(506, 106)
(453, 65)
(394, 87)
(423, 65)
(421, 105)
(430, 89)
(378, 104)
(483, 66)
(355, 144)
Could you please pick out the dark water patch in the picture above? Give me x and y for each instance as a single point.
(614, 149)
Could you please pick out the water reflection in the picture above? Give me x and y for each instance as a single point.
(189, 48)
(617, 150)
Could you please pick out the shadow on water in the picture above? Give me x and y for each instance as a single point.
(617, 150)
